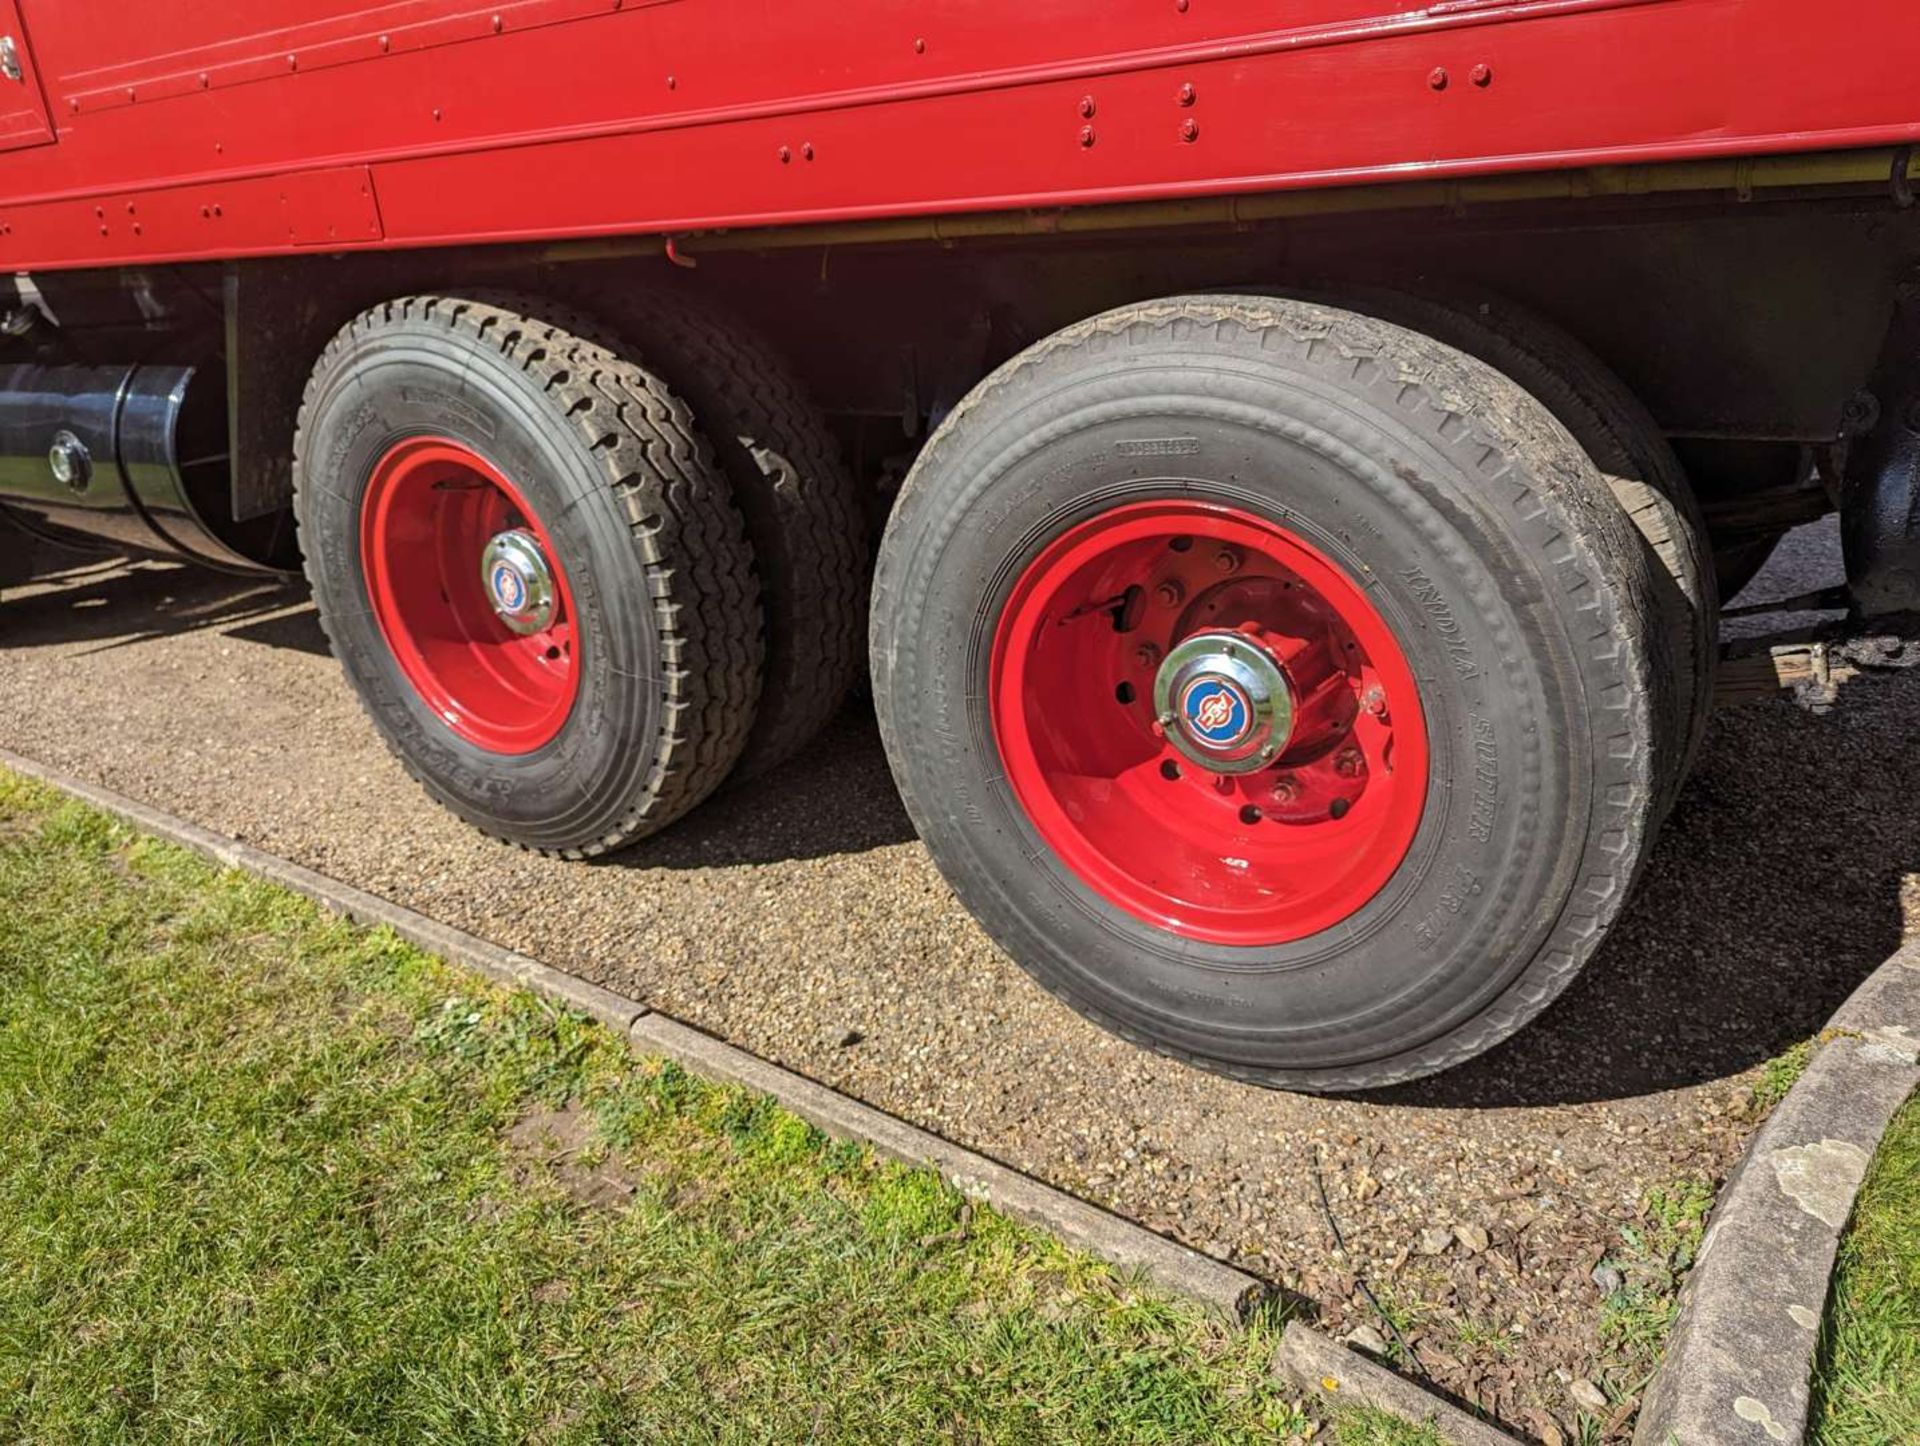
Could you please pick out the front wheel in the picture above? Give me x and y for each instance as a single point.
(1273, 684)
(529, 567)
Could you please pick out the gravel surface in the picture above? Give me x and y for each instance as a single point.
(799, 918)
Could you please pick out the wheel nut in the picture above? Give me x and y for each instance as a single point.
(1170, 593)
(1285, 788)
(1348, 763)
(1146, 655)
(1374, 700)
(1227, 559)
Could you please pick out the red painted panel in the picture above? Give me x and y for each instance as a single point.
(333, 208)
(23, 109)
(549, 118)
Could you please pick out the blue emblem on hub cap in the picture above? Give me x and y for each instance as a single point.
(509, 590)
(1216, 711)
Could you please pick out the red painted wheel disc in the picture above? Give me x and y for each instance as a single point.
(431, 509)
(1282, 851)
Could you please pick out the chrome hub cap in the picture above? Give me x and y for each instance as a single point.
(518, 581)
(1224, 701)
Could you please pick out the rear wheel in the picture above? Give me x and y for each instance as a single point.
(529, 567)
(1273, 683)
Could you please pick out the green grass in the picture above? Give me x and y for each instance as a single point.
(1867, 1377)
(1367, 1427)
(1778, 1075)
(1653, 1259)
(266, 1177)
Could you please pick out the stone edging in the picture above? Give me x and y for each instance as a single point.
(1738, 1366)
(1169, 1265)
(1341, 1378)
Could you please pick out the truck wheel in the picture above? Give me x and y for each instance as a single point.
(529, 567)
(802, 508)
(1632, 453)
(1273, 684)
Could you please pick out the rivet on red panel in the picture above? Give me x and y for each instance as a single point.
(1086, 136)
(1437, 78)
(1188, 95)
(1481, 75)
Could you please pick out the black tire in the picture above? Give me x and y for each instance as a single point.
(1626, 444)
(610, 462)
(802, 508)
(1484, 538)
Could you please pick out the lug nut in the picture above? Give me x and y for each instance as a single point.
(1146, 655)
(1348, 763)
(1227, 559)
(1374, 700)
(1170, 593)
(1285, 788)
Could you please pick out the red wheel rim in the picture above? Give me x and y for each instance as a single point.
(432, 507)
(1282, 851)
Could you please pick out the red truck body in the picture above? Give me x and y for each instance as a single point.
(204, 129)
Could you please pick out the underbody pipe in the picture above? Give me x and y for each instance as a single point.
(122, 456)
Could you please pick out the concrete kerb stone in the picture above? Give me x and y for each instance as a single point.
(1340, 1378)
(1739, 1363)
(1168, 1265)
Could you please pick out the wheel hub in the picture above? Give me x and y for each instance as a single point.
(1225, 702)
(518, 580)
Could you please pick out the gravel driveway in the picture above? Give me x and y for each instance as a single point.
(799, 918)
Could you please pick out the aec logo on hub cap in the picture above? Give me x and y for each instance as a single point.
(1216, 711)
(509, 588)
